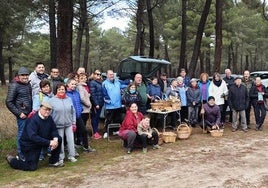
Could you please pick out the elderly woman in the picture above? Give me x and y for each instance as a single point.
(128, 130)
(64, 117)
(203, 85)
(218, 89)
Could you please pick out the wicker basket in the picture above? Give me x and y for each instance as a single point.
(157, 106)
(169, 137)
(184, 131)
(160, 139)
(217, 132)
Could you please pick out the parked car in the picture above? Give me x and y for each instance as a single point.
(263, 75)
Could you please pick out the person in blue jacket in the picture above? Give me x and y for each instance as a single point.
(39, 131)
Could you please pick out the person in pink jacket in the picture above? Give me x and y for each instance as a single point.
(128, 130)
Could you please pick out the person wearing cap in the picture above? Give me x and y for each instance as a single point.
(39, 131)
(19, 101)
(212, 115)
(238, 99)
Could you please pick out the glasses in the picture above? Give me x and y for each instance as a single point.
(98, 74)
(46, 109)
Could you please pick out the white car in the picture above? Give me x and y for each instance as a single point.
(263, 75)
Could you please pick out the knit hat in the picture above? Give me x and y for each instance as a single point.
(23, 70)
(211, 97)
(238, 77)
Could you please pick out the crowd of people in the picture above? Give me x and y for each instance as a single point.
(52, 112)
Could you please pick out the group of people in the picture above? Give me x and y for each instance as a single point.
(52, 112)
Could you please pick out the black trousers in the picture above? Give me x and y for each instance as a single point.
(144, 139)
(81, 132)
(32, 157)
(112, 116)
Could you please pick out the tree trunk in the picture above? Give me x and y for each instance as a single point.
(202, 59)
(85, 62)
(247, 63)
(182, 63)
(198, 39)
(80, 30)
(208, 69)
(52, 34)
(218, 48)
(229, 56)
(139, 26)
(2, 67)
(10, 68)
(151, 27)
(65, 19)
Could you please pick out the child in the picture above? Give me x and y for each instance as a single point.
(194, 102)
(146, 134)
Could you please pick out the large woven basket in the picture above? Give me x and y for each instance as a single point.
(169, 137)
(160, 139)
(217, 132)
(184, 131)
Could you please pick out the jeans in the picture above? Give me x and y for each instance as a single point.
(95, 118)
(20, 123)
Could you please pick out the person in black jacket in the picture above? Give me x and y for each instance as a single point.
(19, 101)
(39, 131)
(238, 102)
(258, 93)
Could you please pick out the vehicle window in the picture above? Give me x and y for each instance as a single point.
(264, 76)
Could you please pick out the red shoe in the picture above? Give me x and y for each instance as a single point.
(97, 136)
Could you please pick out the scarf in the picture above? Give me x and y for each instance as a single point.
(217, 83)
(41, 76)
(61, 96)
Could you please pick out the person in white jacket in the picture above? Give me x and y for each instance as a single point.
(218, 89)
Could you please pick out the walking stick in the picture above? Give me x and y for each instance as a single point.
(203, 120)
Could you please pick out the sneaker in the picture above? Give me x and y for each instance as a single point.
(233, 130)
(72, 159)
(9, 158)
(128, 150)
(89, 149)
(76, 154)
(41, 158)
(156, 146)
(20, 157)
(96, 136)
(245, 130)
(105, 135)
(144, 150)
(57, 164)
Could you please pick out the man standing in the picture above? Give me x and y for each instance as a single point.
(54, 79)
(37, 76)
(229, 80)
(186, 79)
(40, 131)
(238, 101)
(162, 81)
(112, 98)
(19, 101)
(141, 88)
(248, 83)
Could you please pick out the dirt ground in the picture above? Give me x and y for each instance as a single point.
(236, 159)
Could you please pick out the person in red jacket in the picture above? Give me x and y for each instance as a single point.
(128, 130)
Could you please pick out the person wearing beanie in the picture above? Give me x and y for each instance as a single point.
(212, 115)
(258, 94)
(19, 101)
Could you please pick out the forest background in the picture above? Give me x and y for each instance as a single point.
(201, 36)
